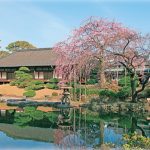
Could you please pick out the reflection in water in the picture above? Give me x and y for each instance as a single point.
(7, 142)
(110, 133)
(76, 128)
(15, 140)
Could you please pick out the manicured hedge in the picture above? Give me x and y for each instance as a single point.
(52, 86)
(12, 83)
(22, 77)
(37, 82)
(54, 80)
(54, 94)
(29, 93)
(35, 85)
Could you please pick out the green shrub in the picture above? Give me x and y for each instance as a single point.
(22, 84)
(22, 77)
(107, 93)
(92, 81)
(145, 93)
(54, 80)
(121, 94)
(12, 83)
(52, 116)
(124, 81)
(22, 119)
(124, 93)
(35, 87)
(29, 109)
(29, 93)
(17, 82)
(78, 90)
(38, 87)
(93, 91)
(36, 82)
(136, 141)
(52, 86)
(54, 94)
(29, 115)
(24, 69)
(37, 115)
(72, 83)
(90, 91)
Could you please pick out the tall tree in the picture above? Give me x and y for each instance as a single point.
(3, 54)
(19, 45)
(131, 51)
(90, 43)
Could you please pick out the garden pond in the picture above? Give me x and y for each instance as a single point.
(34, 129)
(15, 137)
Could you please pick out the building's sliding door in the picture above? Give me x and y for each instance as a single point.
(38, 75)
(3, 75)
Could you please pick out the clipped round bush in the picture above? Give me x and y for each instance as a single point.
(35, 87)
(36, 82)
(53, 80)
(52, 86)
(29, 93)
(12, 83)
(24, 69)
(22, 77)
(54, 94)
(23, 84)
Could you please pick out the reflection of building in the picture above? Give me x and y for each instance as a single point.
(41, 63)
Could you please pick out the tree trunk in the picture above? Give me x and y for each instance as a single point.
(144, 82)
(102, 79)
(101, 132)
(133, 87)
(135, 126)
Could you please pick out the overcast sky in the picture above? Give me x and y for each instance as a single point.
(46, 22)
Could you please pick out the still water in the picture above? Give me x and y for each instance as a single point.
(8, 143)
(26, 138)
(85, 130)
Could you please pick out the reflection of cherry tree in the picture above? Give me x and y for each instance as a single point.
(68, 140)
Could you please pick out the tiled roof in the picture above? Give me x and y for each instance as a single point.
(30, 57)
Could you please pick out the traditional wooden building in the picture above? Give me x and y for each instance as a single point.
(41, 63)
